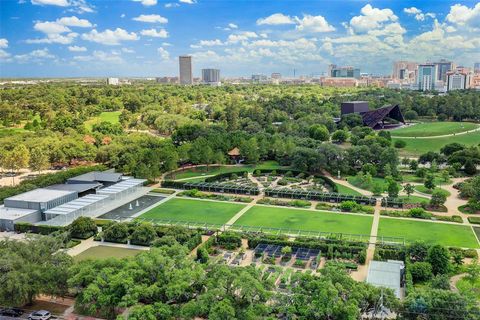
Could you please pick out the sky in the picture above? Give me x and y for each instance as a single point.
(143, 38)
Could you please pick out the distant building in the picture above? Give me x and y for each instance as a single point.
(211, 76)
(276, 76)
(376, 119)
(426, 77)
(185, 70)
(113, 81)
(338, 82)
(404, 71)
(443, 66)
(259, 78)
(476, 67)
(166, 79)
(335, 71)
(459, 79)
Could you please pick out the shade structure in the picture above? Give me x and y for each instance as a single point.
(76, 208)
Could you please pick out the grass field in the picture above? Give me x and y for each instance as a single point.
(104, 252)
(297, 219)
(194, 211)
(111, 116)
(354, 181)
(346, 190)
(414, 199)
(419, 146)
(433, 129)
(423, 189)
(430, 232)
(214, 170)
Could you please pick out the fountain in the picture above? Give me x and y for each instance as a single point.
(137, 204)
(130, 207)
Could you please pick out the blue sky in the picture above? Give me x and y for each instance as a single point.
(71, 38)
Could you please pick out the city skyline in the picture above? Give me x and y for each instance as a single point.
(66, 38)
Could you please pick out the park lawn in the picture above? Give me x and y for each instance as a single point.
(214, 170)
(429, 232)
(423, 189)
(346, 190)
(307, 220)
(414, 199)
(431, 129)
(104, 252)
(191, 210)
(109, 116)
(416, 147)
(413, 178)
(354, 181)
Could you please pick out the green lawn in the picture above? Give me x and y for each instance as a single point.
(433, 129)
(423, 189)
(346, 190)
(110, 116)
(297, 219)
(104, 252)
(414, 199)
(354, 181)
(430, 232)
(214, 170)
(419, 146)
(192, 210)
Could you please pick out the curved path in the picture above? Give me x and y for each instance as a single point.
(440, 136)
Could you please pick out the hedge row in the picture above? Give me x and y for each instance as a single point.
(223, 176)
(25, 227)
(46, 180)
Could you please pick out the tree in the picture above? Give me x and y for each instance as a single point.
(144, 234)
(202, 255)
(393, 188)
(32, 267)
(421, 271)
(438, 198)
(417, 251)
(470, 167)
(413, 165)
(429, 182)
(249, 150)
(439, 257)
(319, 132)
(340, 136)
(399, 144)
(409, 189)
(38, 159)
(83, 227)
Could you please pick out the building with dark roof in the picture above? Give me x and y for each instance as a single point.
(106, 178)
(381, 118)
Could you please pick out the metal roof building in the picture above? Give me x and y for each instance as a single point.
(70, 211)
(10, 216)
(386, 274)
(40, 199)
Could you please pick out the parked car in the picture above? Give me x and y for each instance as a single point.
(40, 315)
(11, 312)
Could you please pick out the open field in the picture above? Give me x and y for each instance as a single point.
(297, 219)
(355, 181)
(419, 146)
(214, 170)
(430, 232)
(104, 252)
(424, 189)
(111, 116)
(431, 129)
(194, 211)
(414, 199)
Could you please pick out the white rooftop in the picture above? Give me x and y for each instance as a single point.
(385, 274)
(121, 186)
(76, 204)
(40, 195)
(14, 213)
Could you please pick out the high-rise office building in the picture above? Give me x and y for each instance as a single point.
(459, 79)
(185, 65)
(343, 72)
(476, 67)
(443, 66)
(426, 76)
(404, 71)
(211, 76)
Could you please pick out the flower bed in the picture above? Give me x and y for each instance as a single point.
(419, 213)
(194, 193)
(293, 203)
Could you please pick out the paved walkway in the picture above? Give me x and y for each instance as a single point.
(248, 206)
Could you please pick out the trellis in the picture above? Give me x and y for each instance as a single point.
(212, 187)
(317, 196)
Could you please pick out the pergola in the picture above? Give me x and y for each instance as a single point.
(317, 196)
(219, 187)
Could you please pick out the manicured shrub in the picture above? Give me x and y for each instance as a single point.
(421, 271)
(399, 144)
(143, 234)
(83, 228)
(116, 232)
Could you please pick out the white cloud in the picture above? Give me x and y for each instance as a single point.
(371, 18)
(4, 55)
(464, 16)
(209, 43)
(419, 15)
(60, 3)
(51, 27)
(77, 49)
(100, 56)
(74, 22)
(3, 43)
(314, 24)
(188, 1)
(241, 36)
(128, 50)
(35, 56)
(164, 54)
(162, 33)
(151, 18)
(110, 37)
(122, 15)
(275, 19)
(147, 3)
(232, 26)
(166, 44)
(54, 38)
(171, 5)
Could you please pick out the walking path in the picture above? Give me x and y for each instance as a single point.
(248, 206)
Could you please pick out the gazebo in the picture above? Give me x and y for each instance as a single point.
(235, 156)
